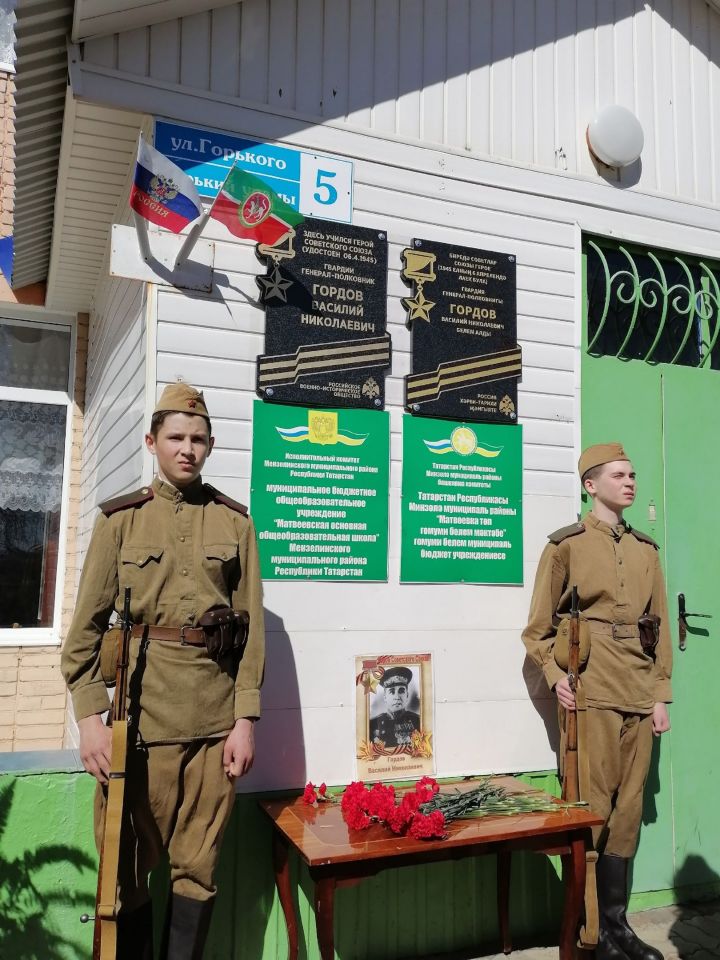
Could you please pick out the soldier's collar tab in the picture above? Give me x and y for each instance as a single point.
(164, 489)
(612, 530)
(190, 494)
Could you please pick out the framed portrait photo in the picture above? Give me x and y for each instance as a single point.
(394, 716)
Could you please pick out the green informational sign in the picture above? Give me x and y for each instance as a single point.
(461, 502)
(320, 492)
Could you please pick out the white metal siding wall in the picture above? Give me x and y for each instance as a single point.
(115, 395)
(96, 170)
(511, 79)
(316, 629)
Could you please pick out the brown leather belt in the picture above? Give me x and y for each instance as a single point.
(618, 631)
(194, 636)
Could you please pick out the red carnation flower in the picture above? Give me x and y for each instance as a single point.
(429, 782)
(423, 826)
(355, 817)
(380, 801)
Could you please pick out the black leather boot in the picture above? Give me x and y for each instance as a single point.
(606, 948)
(186, 928)
(612, 903)
(135, 934)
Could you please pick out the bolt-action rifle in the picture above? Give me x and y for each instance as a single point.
(105, 935)
(571, 779)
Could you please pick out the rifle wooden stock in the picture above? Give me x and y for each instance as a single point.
(571, 775)
(105, 934)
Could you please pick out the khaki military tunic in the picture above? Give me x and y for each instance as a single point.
(618, 578)
(181, 552)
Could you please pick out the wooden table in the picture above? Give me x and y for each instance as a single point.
(337, 856)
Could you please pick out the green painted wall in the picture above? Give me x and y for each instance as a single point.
(47, 879)
(47, 866)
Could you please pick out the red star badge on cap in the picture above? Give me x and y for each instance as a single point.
(192, 403)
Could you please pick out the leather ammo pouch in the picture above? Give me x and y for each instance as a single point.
(649, 624)
(562, 643)
(109, 652)
(225, 631)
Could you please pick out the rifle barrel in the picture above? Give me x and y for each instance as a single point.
(105, 932)
(571, 780)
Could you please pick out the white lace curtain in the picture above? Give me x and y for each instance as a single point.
(34, 357)
(32, 440)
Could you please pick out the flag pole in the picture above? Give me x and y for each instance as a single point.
(142, 236)
(192, 238)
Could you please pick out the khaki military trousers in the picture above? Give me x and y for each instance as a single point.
(178, 799)
(614, 751)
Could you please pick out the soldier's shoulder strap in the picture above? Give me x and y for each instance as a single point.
(643, 537)
(133, 499)
(219, 497)
(564, 532)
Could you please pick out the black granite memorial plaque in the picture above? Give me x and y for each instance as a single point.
(465, 358)
(325, 297)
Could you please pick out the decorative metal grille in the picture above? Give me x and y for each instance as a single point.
(652, 305)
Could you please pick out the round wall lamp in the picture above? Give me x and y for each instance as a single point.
(615, 137)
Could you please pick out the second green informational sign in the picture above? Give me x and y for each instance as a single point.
(461, 502)
(320, 492)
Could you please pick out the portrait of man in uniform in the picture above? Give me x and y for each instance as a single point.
(394, 712)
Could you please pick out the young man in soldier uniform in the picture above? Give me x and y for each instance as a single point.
(184, 549)
(623, 690)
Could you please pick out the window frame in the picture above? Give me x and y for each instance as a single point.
(38, 317)
(630, 247)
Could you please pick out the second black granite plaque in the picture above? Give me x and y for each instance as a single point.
(465, 358)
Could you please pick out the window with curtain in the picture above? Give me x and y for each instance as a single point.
(33, 440)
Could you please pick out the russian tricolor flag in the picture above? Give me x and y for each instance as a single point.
(161, 192)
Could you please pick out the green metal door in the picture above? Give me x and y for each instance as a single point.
(691, 455)
(650, 379)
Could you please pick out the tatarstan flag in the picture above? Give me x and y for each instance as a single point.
(251, 209)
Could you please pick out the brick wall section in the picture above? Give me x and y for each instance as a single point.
(73, 563)
(33, 698)
(35, 292)
(7, 153)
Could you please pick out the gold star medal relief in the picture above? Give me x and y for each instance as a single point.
(419, 269)
(274, 286)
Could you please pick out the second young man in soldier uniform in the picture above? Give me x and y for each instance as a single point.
(184, 549)
(624, 688)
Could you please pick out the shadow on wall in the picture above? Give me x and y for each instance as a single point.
(652, 785)
(26, 899)
(544, 701)
(695, 932)
(279, 738)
